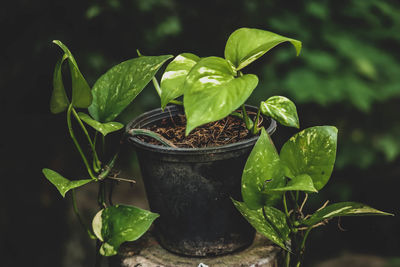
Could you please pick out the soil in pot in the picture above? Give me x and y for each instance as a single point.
(226, 131)
(191, 187)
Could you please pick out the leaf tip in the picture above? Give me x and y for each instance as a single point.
(188, 130)
(189, 126)
(298, 45)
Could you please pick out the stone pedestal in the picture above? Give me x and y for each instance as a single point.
(148, 253)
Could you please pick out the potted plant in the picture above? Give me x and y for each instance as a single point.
(213, 89)
(201, 180)
(190, 186)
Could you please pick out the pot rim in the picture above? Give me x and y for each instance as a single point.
(144, 118)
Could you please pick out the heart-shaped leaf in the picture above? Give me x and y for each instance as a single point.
(312, 152)
(120, 223)
(174, 77)
(117, 88)
(274, 226)
(103, 128)
(262, 172)
(211, 91)
(342, 209)
(63, 184)
(282, 110)
(81, 93)
(246, 45)
(59, 100)
(301, 182)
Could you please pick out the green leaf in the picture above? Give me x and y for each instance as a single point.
(120, 223)
(212, 92)
(275, 228)
(103, 128)
(312, 152)
(282, 110)
(262, 172)
(117, 88)
(63, 184)
(59, 100)
(174, 77)
(342, 209)
(81, 93)
(246, 45)
(301, 182)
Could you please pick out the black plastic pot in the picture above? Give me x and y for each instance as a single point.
(191, 190)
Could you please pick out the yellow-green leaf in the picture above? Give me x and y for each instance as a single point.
(103, 128)
(312, 152)
(174, 77)
(301, 182)
(212, 92)
(120, 223)
(246, 45)
(81, 93)
(117, 88)
(61, 183)
(342, 209)
(274, 226)
(262, 172)
(282, 110)
(59, 100)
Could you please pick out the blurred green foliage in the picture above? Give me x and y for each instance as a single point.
(349, 61)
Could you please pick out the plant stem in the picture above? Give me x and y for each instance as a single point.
(107, 168)
(157, 86)
(151, 134)
(158, 89)
(83, 224)
(303, 242)
(237, 115)
(255, 127)
(95, 157)
(295, 198)
(71, 132)
(287, 259)
(285, 205)
(249, 123)
(176, 102)
(302, 247)
(101, 195)
(96, 167)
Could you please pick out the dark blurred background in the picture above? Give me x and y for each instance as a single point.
(347, 75)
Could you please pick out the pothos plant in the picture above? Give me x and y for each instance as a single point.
(212, 88)
(215, 87)
(112, 92)
(303, 166)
